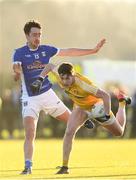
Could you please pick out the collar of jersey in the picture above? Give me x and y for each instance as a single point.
(33, 49)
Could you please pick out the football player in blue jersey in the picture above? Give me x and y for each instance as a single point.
(28, 62)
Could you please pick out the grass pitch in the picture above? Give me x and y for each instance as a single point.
(90, 159)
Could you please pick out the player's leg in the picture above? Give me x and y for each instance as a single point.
(65, 116)
(121, 113)
(115, 128)
(75, 121)
(30, 125)
(30, 117)
(117, 125)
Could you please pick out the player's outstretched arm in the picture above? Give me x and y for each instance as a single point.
(81, 52)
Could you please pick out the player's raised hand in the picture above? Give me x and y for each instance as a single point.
(100, 44)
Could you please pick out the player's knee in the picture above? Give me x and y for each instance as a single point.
(119, 133)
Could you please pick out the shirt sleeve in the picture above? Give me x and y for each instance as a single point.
(16, 58)
(53, 51)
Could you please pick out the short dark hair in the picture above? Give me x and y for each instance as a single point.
(29, 25)
(65, 68)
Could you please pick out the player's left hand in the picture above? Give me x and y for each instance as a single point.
(36, 86)
(100, 44)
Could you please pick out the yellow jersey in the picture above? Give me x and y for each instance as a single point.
(82, 92)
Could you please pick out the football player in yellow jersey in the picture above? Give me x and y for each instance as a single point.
(89, 101)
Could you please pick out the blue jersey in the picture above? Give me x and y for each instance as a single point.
(33, 62)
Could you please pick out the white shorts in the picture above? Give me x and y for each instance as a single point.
(98, 111)
(48, 102)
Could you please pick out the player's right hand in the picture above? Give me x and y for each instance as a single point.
(16, 76)
(36, 86)
(17, 68)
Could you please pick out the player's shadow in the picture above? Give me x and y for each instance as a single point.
(12, 170)
(46, 169)
(82, 167)
(88, 177)
(66, 176)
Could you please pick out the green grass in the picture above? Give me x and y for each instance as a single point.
(90, 159)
